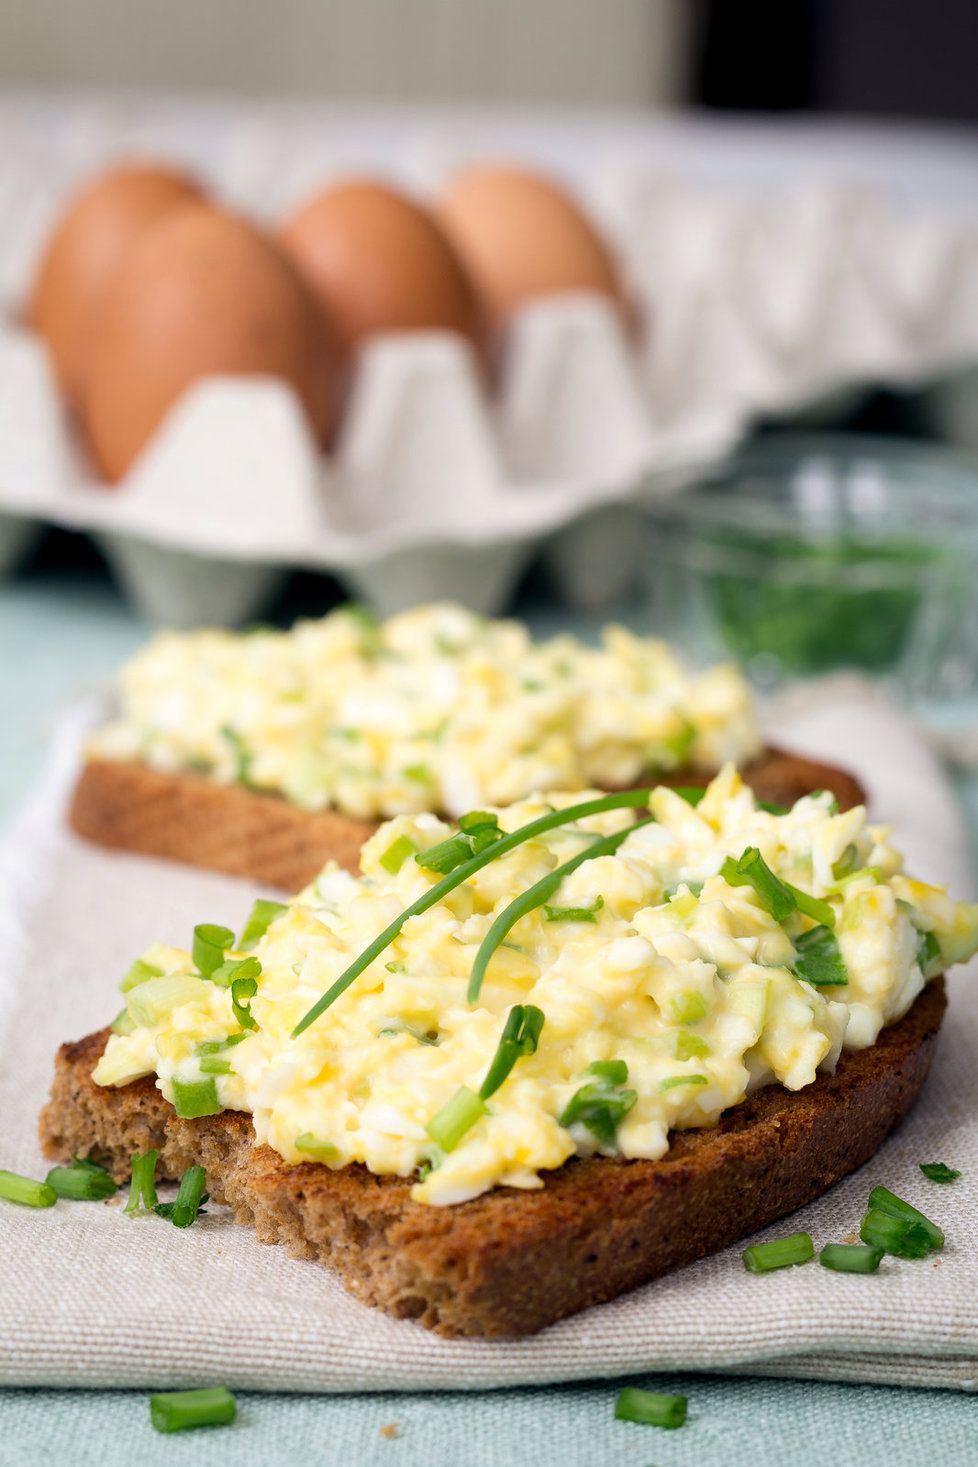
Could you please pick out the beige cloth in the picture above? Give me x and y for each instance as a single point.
(89, 1297)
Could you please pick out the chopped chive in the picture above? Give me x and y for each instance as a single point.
(897, 1235)
(242, 754)
(180, 1410)
(142, 1188)
(214, 1064)
(195, 1098)
(846, 864)
(190, 1198)
(209, 946)
(649, 1408)
(628, 799)
(263, 914)
(233, 968)
(691, 794)
(520, 1036)
(850, 1257)
(397, 853)
(456, 1117)
(599, 1109)
(615, 1071)
(691, 1046)
(82, 1182)
(123, 1022)
(243, 991)
(782, 1253)
(419, 773)
(396, 965)
(886, 1201)
(575, 914)
(819, 959)
(215, 1046)
(936, 1171)
(674, 1080)
(751, 869)
(312, 1146)
(476, 820)
(689, 1007)
(535, 896)
(138, 973)
(15, 1188)
(928, 948)
(772, 808)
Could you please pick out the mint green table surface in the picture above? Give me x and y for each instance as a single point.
(60, 633)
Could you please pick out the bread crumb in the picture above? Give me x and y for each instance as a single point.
(851, 1238)
(389, 1432)
(937, 1263)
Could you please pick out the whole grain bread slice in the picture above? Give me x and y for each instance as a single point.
(512, 1262)
(189, 818)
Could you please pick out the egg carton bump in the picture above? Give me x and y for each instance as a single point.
(443, 483)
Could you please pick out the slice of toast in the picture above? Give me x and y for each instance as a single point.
(511, 1262)
(189, 818)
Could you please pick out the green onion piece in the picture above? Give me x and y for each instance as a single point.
(772, 808)
(455, 1118)
(691, 1046)
(138, 973)
(263, 914)
(886, 1201)
(575, 914)
(311, 1145)
(213, 1064)
(813, 907)
(751, 869)
(846, 864)
(614, 1071)
(833, 802)
(928, 948)
(419, 773)
(782, 1253)
(520, 1036)
(447, 855)
(627, 799)
(190, 1199)
(180, 1410)
(535, 896)
(15, 1188)
(936, 1171)
(215, 1046)
(243, 991)
(397, 853)
(209, 946)
(477, 820)
(600, 1109)
(674, 1080)
(691, 794)
(142, 1188)
(242, 754)
(819, 960)
(649, 1408)
(850, 1257)
(195, 1098)
(897, 1235)
(688, 1008)
(82, 1182)
(233, 968)
(397, 965)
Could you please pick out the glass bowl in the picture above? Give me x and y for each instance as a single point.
(803, 555)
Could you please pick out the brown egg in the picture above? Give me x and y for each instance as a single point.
(85, 252)
(522, 237)
(203, 293)
(377, 262)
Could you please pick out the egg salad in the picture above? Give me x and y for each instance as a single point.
(654, 971)
(435, 709)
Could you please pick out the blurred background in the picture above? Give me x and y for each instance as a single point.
(759, 440)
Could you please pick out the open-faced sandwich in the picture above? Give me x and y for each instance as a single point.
(265, 754)
(516, 1067)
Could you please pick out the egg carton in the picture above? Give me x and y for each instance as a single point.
(762, 294)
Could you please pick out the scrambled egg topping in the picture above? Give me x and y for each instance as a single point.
(435, 709)
(649, 958)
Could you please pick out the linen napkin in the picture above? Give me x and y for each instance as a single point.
(89, 1297)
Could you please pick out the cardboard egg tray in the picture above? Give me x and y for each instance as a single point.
(762, 290)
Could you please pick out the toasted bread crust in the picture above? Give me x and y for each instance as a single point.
(192, 819)
(511, 1262)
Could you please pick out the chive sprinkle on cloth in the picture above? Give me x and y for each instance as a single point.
(92, 1298)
